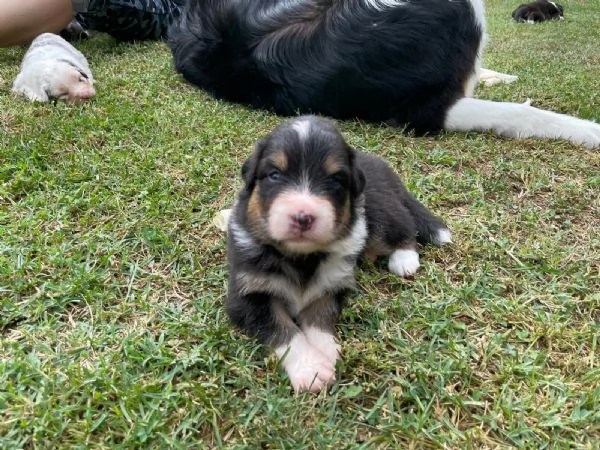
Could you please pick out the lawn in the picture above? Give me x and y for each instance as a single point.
(113, 279)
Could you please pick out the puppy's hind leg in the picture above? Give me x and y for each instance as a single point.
(430, 229)
(427, 228)
(397, 234)
(30, 88)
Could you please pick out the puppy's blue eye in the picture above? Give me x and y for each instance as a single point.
(274, 175)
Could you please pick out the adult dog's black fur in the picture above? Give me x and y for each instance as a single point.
(342, 59)
(414, 63)
(539, 11)
(309, 207)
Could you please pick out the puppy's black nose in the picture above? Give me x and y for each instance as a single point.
(303, 221)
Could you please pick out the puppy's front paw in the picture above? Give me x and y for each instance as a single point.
(308, 368)
(404, 262)
(324, 342)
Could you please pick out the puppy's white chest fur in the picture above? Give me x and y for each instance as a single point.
(334, 273)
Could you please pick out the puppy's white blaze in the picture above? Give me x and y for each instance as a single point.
(530, 22)
(307, 367)
(281, 226)
(324, 342)
(442, 237)
(517, 120)
(404, 262)
(382, 5)
(302, 127)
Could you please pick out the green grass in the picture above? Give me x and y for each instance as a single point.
(112, 279)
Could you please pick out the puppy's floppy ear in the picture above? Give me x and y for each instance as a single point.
(251, 165)
(357, 182)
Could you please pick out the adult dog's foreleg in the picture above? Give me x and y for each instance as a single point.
(517, 120)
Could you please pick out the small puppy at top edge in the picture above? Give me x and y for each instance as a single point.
(309, 207)
(538, 11)
(53, 69)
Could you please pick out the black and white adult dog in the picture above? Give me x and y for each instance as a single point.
(415, 63)
(309, 207)
(539, 11)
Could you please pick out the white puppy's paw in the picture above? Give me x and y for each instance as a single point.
(324, 342)
(308, 368)
(404, 262)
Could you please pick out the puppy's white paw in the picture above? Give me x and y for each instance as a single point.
(404, 262)
(442, 236)
(324, 342)
(308, 368)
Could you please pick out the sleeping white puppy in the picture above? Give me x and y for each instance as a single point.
(53, 69)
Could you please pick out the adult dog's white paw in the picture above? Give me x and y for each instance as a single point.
(308, 368)
(520, 121)
(491, 77)
(404, 262)
(583, 132)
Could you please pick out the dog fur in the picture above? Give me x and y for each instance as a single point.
(309, 207)
(538, 11)
(415, 64)
(53, 69)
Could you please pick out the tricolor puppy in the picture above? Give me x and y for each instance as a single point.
(53, 69)
(309, 207)
(538, 11)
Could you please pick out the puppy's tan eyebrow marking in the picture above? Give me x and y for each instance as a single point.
(332, 165)
(280, 160)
